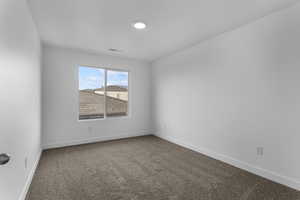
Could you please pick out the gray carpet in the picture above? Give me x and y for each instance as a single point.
(145, 168)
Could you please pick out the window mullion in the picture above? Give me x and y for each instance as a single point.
(105, 86)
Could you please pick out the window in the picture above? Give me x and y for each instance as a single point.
(102, 93)
(116, 93)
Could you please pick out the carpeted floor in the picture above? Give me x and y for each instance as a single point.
(145, 168)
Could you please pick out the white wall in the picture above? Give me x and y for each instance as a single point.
(19, 97)
(60, 99)
(236, 92)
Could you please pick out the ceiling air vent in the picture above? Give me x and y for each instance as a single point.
(114, 50)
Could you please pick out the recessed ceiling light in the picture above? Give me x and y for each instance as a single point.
(139, 25)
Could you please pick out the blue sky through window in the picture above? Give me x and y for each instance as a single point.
(117, 78)
(92, 78)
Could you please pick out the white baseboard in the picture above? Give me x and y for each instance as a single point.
(96, 139)
(273, 176)
(30, 177)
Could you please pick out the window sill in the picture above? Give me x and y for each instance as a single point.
(105, 118)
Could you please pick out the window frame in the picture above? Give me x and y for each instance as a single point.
(105, 82)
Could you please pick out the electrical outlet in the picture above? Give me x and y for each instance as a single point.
(25, 162)
(260, 151)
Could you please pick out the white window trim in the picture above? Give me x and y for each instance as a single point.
(105, 81)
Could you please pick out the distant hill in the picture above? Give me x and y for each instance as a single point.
(111, 88)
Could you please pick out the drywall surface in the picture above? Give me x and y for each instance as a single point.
(235, 93)
(20, 97)
(61, 101)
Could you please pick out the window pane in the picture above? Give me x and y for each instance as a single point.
(117, 93)
(91, 92)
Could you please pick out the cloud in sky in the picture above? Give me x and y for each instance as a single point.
(117, 78)
(92, 78)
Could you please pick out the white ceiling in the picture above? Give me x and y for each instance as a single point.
(98, 25)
